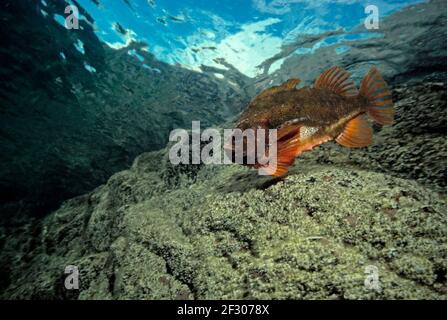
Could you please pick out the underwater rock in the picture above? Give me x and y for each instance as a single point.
(229, 233)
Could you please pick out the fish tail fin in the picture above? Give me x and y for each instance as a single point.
(375, 90)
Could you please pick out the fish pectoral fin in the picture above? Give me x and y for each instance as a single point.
(336, 80)
(356, 134)
(291, 144)
(285, 133)
(288, 144)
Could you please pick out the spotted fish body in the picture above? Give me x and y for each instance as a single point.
(331, 109)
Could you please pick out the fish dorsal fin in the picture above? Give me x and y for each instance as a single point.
(290, 84)
(336, 80)
(356, 134)
(286, 86)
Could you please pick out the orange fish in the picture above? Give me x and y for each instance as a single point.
(331, 109)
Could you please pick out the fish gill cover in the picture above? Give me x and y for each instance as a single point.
(78, 105)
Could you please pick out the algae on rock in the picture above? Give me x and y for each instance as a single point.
(231, 234)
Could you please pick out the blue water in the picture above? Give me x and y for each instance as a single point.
(244, 32)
